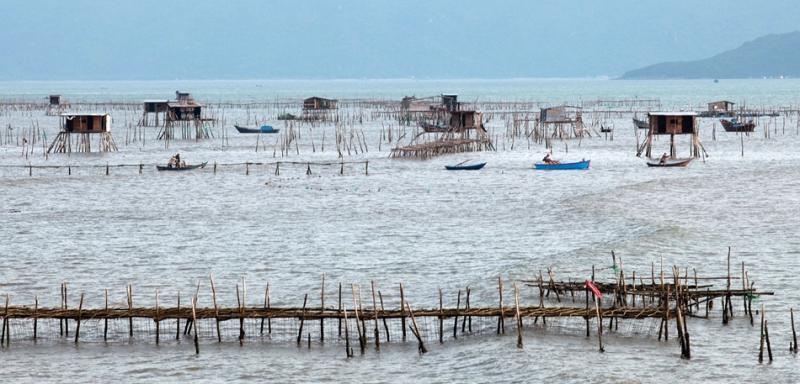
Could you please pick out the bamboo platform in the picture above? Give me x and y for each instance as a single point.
(440, 147)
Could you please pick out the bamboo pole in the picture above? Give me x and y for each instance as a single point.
(157, 319)
(415, 330)
(194, 321)
(216, 309)
(402, 312)
(375, 312)
(322, 308)
(793, 344)
(302, 318)
(518, 316)
(178, 319)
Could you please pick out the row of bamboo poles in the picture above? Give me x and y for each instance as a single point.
(675, 297)
(249, 166)
(518, 117)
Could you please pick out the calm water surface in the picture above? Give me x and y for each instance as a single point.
(407, 221)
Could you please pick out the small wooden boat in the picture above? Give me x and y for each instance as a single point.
(735, 126)
(670, 162)
(584, 164)
(263, 129)
(641, 124)
(186, 168)
(428, 127)
(465, 167)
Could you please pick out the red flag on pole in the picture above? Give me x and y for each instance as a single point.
(594, 289)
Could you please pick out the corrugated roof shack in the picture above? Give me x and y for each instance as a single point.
(672, 124)
(720, 106)
(465, 120)
(560, 122)
(184, 108)
(316, 103)
(84, 126)
(55, 105)
(157, 108)
(187, 114)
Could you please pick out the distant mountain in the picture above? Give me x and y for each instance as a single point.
(767, 56)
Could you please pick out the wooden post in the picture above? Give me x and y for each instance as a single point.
(130, 310)
(415, 330)
(105, 320)
(5, 325)
(261, 330)
(441, 318)
(455, 323)
(744, 288)
(385, 325)
(519, 317)
(586, 292)
(269, 319)
(375, 312)
(402, 312)
(361, 340)
(347, 348)
(157, 319)
(761, 343)
(501, 326)
(666, 315)
(64, 306)
(241, 304)
(78, 322)
(302, 318)
(339, 309)
(194, 321)
(36, 308)
(793, 345)
(178, 319)
(216, 309)
(599, 325)
(766, 335)
(322, 309)
(466, 319)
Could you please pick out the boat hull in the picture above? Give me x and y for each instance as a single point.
(731, 126)
(670, 163)
(470, 167)
(186, 168)
(641, 124)
(563, 166)
(262, 129)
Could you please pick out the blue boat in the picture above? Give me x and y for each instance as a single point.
(467, 167)
(263, 129)
(562, 166)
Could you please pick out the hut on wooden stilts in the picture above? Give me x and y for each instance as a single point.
(84, 126)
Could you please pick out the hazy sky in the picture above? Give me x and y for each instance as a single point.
(234, 39)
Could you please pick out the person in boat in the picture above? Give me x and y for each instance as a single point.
(171, 163)
(549, 160)
(178, 160)
(663, 159)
